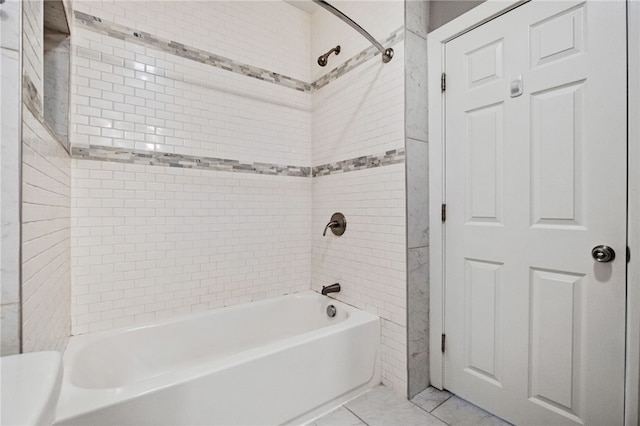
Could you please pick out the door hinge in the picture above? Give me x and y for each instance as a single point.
(444, 212)
(628, 254)
(443, 82)
(444, 337)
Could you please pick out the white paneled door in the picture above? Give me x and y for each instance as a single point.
(535, 179)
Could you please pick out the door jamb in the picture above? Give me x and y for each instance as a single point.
(632, 391)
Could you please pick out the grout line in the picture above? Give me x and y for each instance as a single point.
(490, 415)
(416, 34)
(437, 406)
(442, 420)
(449, 424)
(426, 411)
(359, 418)
(433, 409)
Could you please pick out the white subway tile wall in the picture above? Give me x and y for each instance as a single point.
(393, 342)
(360, 113)
(369, 260)
(268, 34)
(46, 199)
(151, 242)
(130, 96)
(371, 253)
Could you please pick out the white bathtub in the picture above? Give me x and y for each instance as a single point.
(277, 361)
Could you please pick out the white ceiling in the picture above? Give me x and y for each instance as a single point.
(306, 6)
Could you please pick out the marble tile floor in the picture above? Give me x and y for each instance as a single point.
(382, 407)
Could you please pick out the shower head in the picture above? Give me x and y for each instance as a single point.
(322, 59)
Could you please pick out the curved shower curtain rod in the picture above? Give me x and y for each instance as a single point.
(387, 53)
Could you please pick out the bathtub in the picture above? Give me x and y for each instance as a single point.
(276, 361)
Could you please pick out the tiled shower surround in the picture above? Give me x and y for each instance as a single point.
(360, 114)
(196, 186)
(45, 239)
(151, 242)
(45, 202)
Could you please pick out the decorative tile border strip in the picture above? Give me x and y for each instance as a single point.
(152, 158)
(30, 96)
(125, 33)
(367, 162)
(121, 155)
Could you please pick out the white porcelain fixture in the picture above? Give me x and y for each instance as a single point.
(277, 361)
(30, 388)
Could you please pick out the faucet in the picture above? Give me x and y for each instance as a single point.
(333, 288)
(331, 224)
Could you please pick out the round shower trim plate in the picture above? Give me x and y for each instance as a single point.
(342, 224)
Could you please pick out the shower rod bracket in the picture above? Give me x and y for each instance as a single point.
(387, 53)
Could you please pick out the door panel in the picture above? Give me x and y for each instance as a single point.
(558, 36)
(535, 327)
(484, 64)
(484, 180)
(483, 296)
(555, 340)
(557, 120)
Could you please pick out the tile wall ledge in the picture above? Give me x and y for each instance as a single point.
(121, 32)
(154, 158)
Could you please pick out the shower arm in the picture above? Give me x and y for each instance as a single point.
(387, 54)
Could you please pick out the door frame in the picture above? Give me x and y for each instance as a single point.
(436, 103)
(632, 393)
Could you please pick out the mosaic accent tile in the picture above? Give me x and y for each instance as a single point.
(152, 158)
(122, 32)
(367, 162)
(30, 96)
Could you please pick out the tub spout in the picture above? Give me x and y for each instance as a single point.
(333, 288)
(331, 224)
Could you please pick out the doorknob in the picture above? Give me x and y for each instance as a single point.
(603, 254)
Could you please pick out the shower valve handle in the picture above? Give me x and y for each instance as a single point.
(338, 225)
